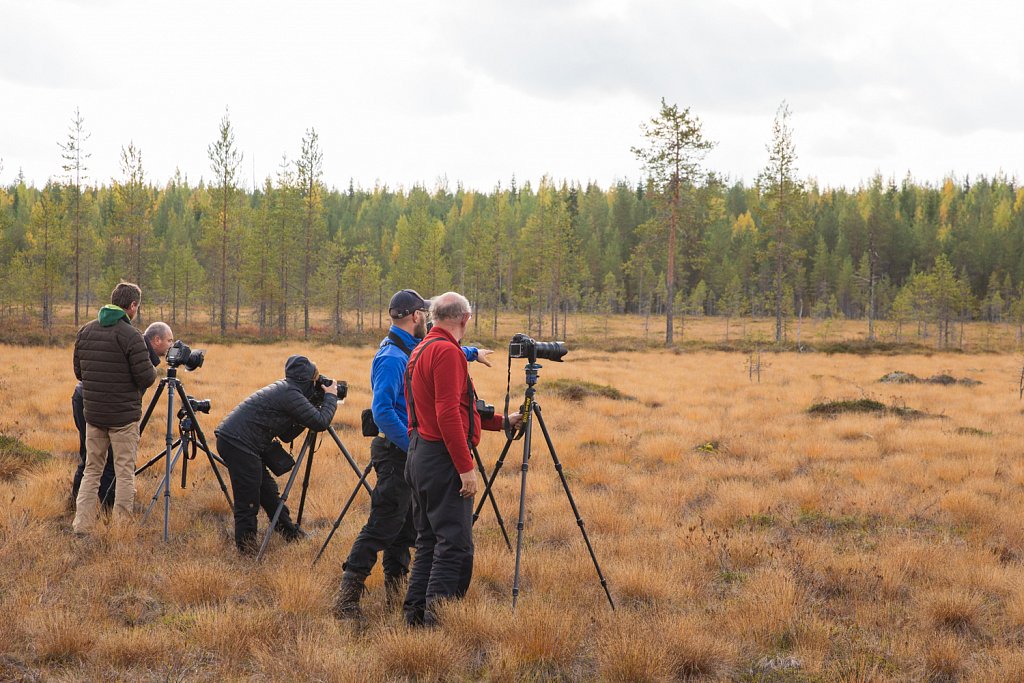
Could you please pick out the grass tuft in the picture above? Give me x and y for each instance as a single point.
(16, 457)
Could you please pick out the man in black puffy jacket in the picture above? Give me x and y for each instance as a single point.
(281, 410)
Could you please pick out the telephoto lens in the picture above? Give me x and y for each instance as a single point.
(522, 346)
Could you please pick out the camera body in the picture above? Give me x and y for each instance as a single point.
(181, 354)
(342, 386)
(523, 346)
(486, 410)
(197, 405)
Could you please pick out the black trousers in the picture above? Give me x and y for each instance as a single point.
(107, 478)
(443, 566)
(389, 527)
(252, 487)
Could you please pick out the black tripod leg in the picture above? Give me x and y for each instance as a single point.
(489, 482)
(152, 404)
(520, 525)
(160, 488)
(167, 460)
(490, 494)
(156, 458)
(310, 437)
(142, 425)
(572, 502)
(348, 456)
(210, 455)
(344, 510)
(305, 486)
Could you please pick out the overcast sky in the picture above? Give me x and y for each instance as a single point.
(476, 91)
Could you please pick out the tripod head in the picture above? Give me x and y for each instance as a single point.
(532, 374)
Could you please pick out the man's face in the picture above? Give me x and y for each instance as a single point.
(133, 309)
(420, 317)
(161, 344)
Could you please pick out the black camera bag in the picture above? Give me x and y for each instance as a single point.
(277, 459)
(369, 426)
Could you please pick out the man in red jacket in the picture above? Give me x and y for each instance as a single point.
(443, 425)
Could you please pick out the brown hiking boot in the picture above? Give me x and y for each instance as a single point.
(346, 601)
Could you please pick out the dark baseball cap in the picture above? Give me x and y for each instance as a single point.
(406, 301)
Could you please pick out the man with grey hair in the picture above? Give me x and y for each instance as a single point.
(158, 337)
(444, 426)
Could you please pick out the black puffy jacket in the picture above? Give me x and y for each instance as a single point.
(277, 409)
(112, 361)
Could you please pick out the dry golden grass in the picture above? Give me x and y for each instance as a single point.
(742, 538)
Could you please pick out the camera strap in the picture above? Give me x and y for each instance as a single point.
(410, 401)
(508, 389)
(397, 341)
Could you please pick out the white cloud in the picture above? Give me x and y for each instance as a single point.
(405, 92)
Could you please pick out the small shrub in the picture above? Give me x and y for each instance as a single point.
(577, 390)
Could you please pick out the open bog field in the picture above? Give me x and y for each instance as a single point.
(742, 537)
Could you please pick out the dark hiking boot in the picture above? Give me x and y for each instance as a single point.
(394, 586)
(346, 601)
(287, 528)
(291, 533)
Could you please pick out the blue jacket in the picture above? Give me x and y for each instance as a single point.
(387, 381)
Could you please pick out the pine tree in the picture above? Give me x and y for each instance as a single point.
(46, 251)
(75, 158)
(226, 162)
(781, 192)
(132, 210)
(309, 168)
(676, 146)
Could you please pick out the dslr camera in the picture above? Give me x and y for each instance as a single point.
(342, 386)
(486, 410)
(197, 405)
(181, 354)
(522, 346)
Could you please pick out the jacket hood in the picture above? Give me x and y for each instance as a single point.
(110, 314)
(299, 369)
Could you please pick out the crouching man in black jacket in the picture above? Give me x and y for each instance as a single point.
(281, 410)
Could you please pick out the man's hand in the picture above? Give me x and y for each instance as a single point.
(514, 420)
(481, 356)
(468, 489)
(332, 389)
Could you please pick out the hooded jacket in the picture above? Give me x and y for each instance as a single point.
(276, 410)
(112, 361)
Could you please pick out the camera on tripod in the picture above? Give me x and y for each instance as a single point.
(342, 386)
(198, 406)
(522, 346)
(181, 354)
(486, 410)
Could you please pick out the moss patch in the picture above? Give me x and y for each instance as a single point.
(16, 457)
(577, 390)
(863, 405)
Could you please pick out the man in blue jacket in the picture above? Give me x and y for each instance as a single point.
(390, 527)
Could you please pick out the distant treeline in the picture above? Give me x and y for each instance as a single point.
(906, 251)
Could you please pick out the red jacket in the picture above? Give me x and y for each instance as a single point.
(441, 399)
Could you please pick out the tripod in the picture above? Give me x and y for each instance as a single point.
(306, 454)
(531, 411)
(362, 482)
(190, 434)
